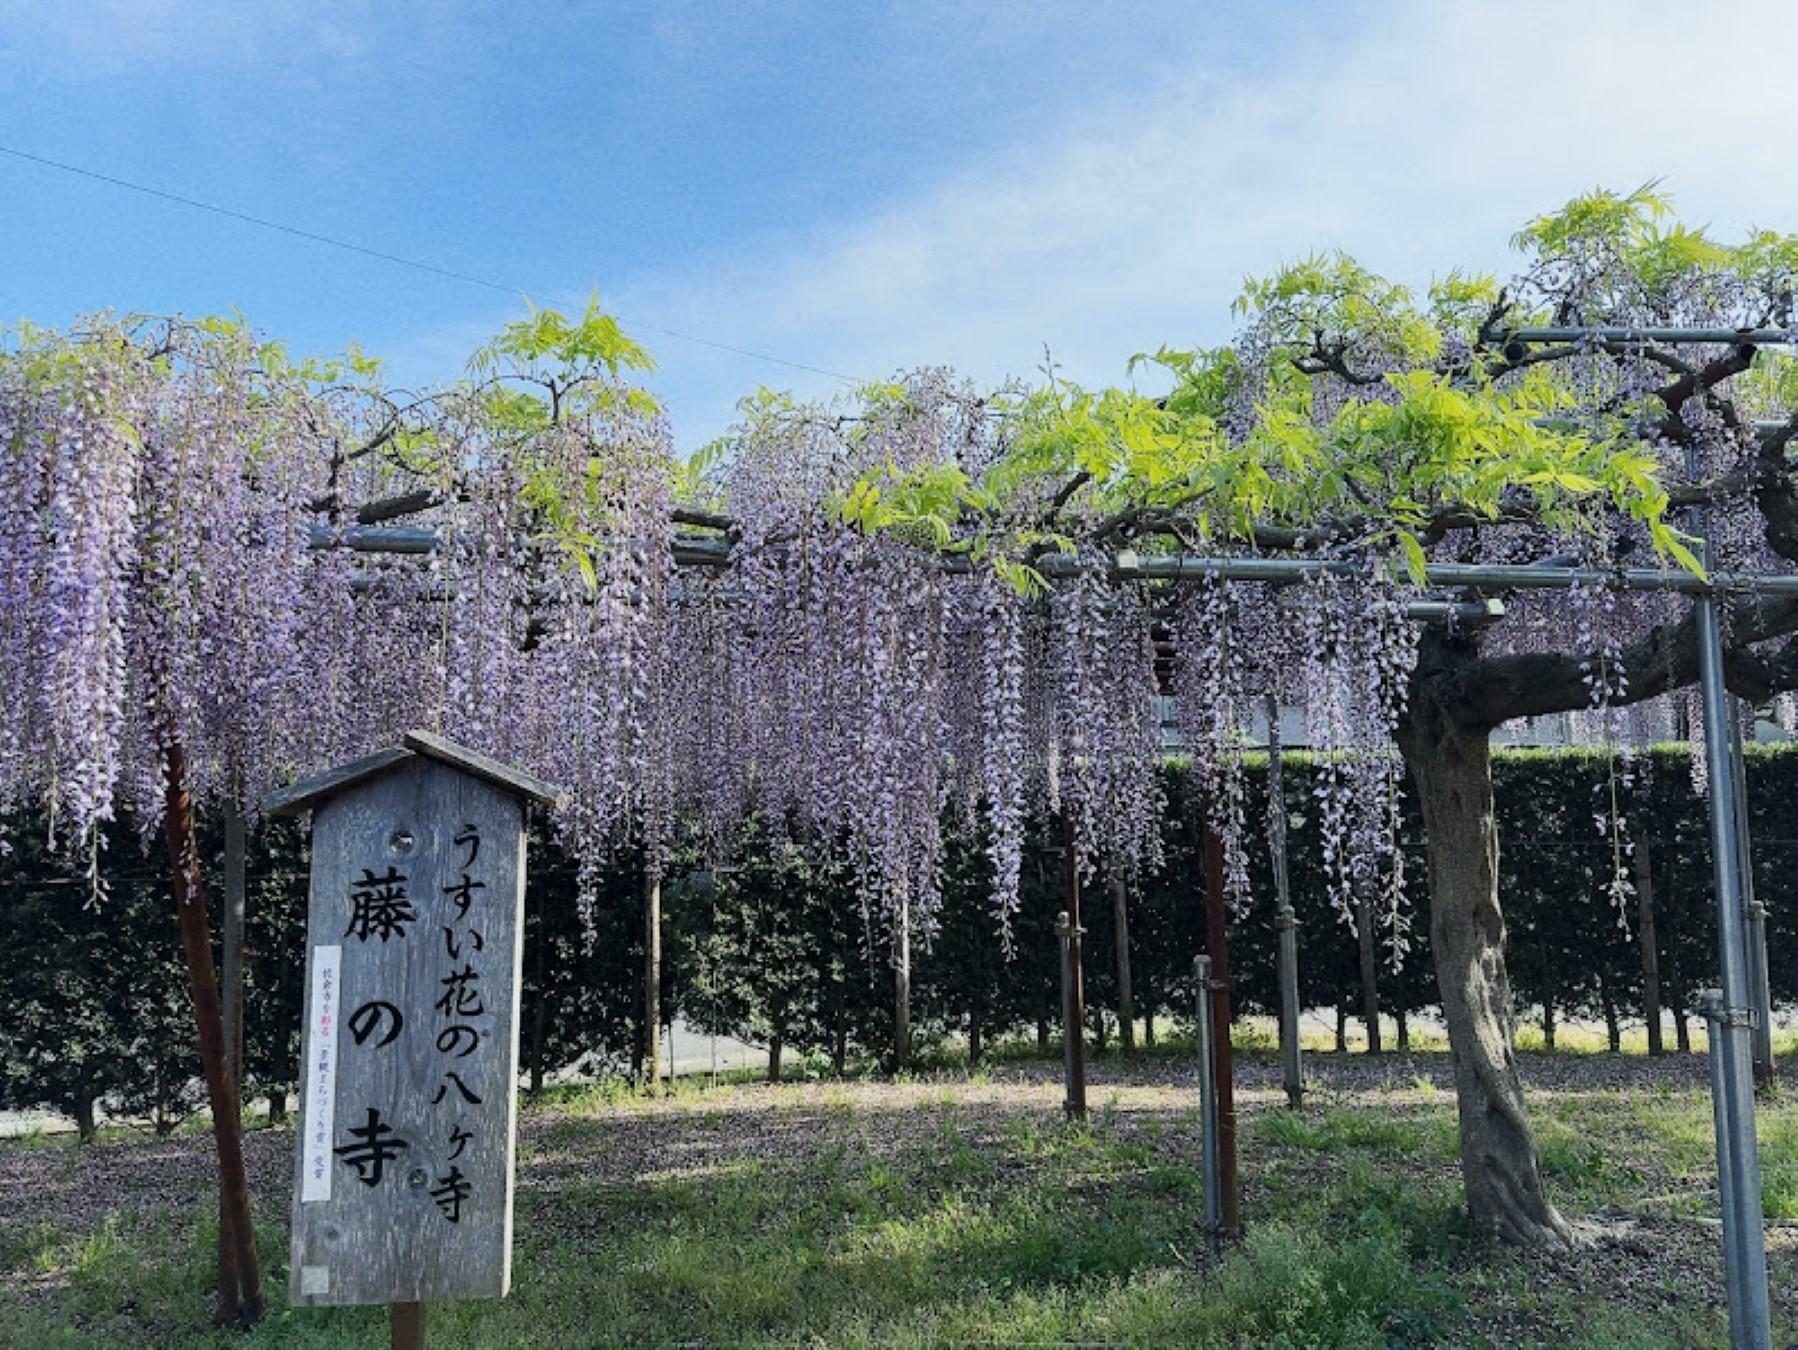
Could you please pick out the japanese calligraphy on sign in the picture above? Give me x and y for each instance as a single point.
(407, 1115)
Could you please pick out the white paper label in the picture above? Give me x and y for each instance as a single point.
(321, 1076)
(315, 1279)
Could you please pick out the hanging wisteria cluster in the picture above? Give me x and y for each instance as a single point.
(866, 621)
(1360, 647)
(183, 572)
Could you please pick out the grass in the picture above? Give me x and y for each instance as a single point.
(949, 1211)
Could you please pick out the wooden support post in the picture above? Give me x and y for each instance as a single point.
(1120, 927)
(1073, 992)
(406, 1326)
(652, 978)
(1217, 945)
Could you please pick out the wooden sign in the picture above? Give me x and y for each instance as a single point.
(403, 1179)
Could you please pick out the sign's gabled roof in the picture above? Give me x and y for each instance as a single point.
(308, 793)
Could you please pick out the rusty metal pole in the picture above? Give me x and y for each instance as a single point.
(1217, 946)
(1208, 1153)
(1073, 1059)
(1073, 992)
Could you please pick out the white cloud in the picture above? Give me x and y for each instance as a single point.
(1420, 144)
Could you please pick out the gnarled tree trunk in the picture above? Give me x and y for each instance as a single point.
(1451, 767)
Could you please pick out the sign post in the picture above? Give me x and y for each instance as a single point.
(407, 1125)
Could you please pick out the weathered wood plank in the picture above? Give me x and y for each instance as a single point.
(403, 1174)
(301, 796)
(482, 766)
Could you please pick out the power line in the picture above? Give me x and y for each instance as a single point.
(312, 236)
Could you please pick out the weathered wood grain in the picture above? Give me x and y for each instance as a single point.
(291, 801)
(393, 1241)
(484, 766)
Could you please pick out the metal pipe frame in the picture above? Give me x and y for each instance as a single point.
(1759, 337)
(1731, 1012)
(1754, 917)
(1732, 1032)
(1128, 565)
(1477, 576)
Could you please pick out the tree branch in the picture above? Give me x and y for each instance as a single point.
(1774, 493)
(1493, 689)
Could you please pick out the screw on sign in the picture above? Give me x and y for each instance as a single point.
(407, 1122)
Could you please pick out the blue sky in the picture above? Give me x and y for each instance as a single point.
(857, 187)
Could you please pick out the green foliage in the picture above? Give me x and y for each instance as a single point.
(550, 351)
(1623, 221)
(1637, 234)
(779, 944)
(1425, 422)
(99, 1017)
(582, 999)
(1334, 294)
(781, 954)
(88, 1026)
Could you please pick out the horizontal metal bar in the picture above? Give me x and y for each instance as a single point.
(369, 539)
(1673, 336)
(694, 552)
(1186, 567)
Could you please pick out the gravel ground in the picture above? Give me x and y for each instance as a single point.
(1644, 1251)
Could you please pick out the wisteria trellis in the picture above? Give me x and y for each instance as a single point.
(917, 603)
(855, 676)
(167, 491)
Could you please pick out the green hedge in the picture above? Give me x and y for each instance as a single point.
(96, 998)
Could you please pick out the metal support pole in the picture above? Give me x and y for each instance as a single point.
(1292, 1070)
(1209, 1157)
(652, 979)
(1217, 947)
(1073, 1042)
(1073, 982)
(1754, 916)
(1738, 1156)
(1710, 1007)
(231, 981)
(1292, 1063)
